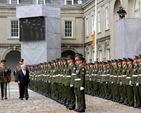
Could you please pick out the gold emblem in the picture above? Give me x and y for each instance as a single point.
(83, 69)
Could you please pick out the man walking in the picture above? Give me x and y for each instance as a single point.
(23, 81)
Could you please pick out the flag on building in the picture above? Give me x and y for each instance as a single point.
(93, 38)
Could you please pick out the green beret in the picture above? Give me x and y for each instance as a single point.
(78, 54)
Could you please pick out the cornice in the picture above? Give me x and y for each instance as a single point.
(71, 45)
(9, 45)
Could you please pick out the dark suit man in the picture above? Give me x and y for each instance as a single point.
(23, 81)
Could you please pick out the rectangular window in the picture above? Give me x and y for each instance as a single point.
(14, 28)
(98, 16)
(40, 1)
(107, 18)
(69, 2)
(87, 29)
(92, 23)
(137, 8)
(13, 1)
(68, 29)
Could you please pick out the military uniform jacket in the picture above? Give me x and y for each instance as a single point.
(135, 73)
(68, 75)
(5, 73)
(80, 76)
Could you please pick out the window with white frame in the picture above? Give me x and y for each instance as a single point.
(13, 1)
(98, 16)
(14, 28)
(69, 2)
(92, 23)
(87, 27)
(68, 29)
(137, 8)
(108, 54)
(107, 18)
(40, 1)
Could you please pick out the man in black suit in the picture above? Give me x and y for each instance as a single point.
(23, 81)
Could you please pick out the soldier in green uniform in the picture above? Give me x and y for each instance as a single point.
(90, 79)
(99, 82)
(119, 82)
(114, 80)
(5, 76)
(48, 71)
(123, 81)
(139, 77)
(135, 84)
(87, 89)
(79, 85)
(129, 82)
(70, 82)
(108, 91)
(94, 78)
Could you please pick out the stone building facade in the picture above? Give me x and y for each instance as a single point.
(79, 16)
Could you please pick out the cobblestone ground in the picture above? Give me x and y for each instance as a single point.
(41, 104)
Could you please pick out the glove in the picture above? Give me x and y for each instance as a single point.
(81, 88)
(120, 83)
(130, 82)
(137, 84)
(106, 82)
(71, 85)
(112, 82)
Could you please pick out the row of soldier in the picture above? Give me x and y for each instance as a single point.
(118, 80)
(62, 80)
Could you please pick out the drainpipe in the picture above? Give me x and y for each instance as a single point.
(83, 35)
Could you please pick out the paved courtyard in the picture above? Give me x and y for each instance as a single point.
(41, 104)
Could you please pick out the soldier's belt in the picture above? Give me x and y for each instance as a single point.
(134, 75)
(114, 76)
(128, 77)
(111, 75)
(108, 74)
(139, 74)
(87, 75)
(77, 79)
(123, 75)
(68, 76)
(73, 74)
(104, 75)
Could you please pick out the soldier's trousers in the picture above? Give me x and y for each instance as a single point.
(71, 97)
(121, 93)
(139, 92)
(4, 90)
(80, 98)
(136, 96)
(130, 95)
